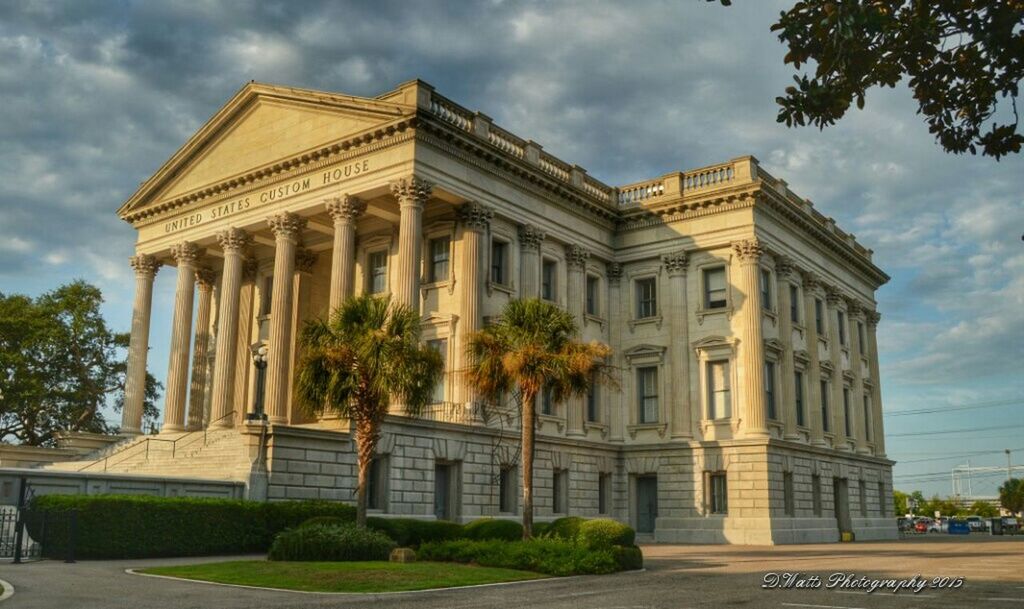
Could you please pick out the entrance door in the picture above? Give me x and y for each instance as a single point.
(646, 503)
(442, 491)
(841, 501)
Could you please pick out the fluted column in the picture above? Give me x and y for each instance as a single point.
(185, 254)
(474, 219)
(233, 241)
(287, 228)
(615, 322)
(138, 346)
(412, 193)
(530, 238)
(680, 417)
(196, 398)
(832, 298)
(783, 271)
(860, 424)
(246, 318)
(345, 211)
(751, 345)
(873, 318)
(813, 373)
(576, 262)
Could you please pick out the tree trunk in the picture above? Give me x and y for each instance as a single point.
(367, 434)
(527, 425)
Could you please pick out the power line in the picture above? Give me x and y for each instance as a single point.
(946, 431)
(976, 453)
(931, 410)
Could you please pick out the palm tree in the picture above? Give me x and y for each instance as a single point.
(366, 356)
(533, 347)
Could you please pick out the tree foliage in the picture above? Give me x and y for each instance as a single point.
(533, 347)
(1011, 495)
(964, 60)
(366, 356)
(60, 366)
(984, 509)
(901, 503)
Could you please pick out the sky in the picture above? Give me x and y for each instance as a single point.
(96, 95)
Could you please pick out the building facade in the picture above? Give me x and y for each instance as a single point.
(742, 321)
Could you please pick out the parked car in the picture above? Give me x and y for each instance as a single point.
(977, 524)
(904, 524)
(1010, 525)
(921, 524)
(939, 526)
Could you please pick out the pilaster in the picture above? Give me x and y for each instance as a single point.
(576, 258)
(680, 412)
(530, 240)
(784, 269)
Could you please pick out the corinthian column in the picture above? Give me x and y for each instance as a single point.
(196, 398)
(286, 227)
(185, 254)
(814, 414)
(345, 211)
(138, 346)
(474, 218)
(530, 238)
(246, 318)
(412, 193)
(233, 241)
(783, 271)
(576, 262)
(679, 356)
(832, 298)
(615, 322)
(873, 318)
(751, 345)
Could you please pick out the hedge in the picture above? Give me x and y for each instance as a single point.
(140, 526)
(410, 532)
(566, 527)
(330, 542)
(605, 532)
(490, 528)
(548, 555)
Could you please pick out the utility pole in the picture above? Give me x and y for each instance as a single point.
(1009, 467)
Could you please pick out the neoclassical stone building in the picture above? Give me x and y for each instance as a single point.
(742, 320)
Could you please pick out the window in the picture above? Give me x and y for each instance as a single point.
(593, 284)
(860, 337)
(604, 491)
(439, 249)
(882, 501)
(789, 505)
(499, 262)
(841, 320)
(714, 288)
(719, 397)
(378, 275)
(826, 422)
(646, 298)
(560, 491)
(766, 289)
(794, 303)
(547, 404)
(816, 494)
(769, 389)
(647, 393)
(592, 400)
(819, 317)
(863, 498)
(377, 483)
(507, 489)
(867, 418)
(798, 393)
(266, 296)
(846, 411)
(547, 286)
(441, 347)
(718, 493)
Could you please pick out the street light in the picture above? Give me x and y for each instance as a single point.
(259, 360)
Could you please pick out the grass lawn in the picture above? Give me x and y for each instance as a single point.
(344, 576)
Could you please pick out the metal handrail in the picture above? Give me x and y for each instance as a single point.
(205, 430)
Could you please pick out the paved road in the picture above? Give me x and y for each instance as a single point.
(677, 577)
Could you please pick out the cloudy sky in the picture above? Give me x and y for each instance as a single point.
(95, 96)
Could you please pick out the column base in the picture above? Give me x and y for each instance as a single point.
(792, 437)
(820, 443)
(863, 450)
(172, 429)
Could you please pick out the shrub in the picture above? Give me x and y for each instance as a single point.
(566, 527)
(489, 528)
(328, 520)
(551, 556)
(410, 532)
(140, 526)
(629, 558)
(605, 532)
(330, 542)
(540, 529)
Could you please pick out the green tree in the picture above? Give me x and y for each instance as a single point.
(366, 356)
(962, 57)
(533, 347)
(901, 503)
(60, 366)
(1011, 495)
(984, 509)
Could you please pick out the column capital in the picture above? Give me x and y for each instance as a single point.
(145, 265)
(833, 296)
(186, 252)
(749, 251)
(676, 262)
(530, 237)
(873, 317)
(576, 256)
(614, 271)
(286, 225)
(854, 307)
(233, 239)
(205, 278)
(304, 260)
(411, 190)
(784, 266)
(345, 207)
(475, 216)
(811, 281)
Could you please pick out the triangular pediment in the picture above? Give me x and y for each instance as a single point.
(259, 126)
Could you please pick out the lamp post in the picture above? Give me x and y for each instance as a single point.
(259, 360)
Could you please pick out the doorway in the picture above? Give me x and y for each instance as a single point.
(646, 503)
(841, 501)
(446, 489)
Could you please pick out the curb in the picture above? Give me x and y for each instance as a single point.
(8, 590)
